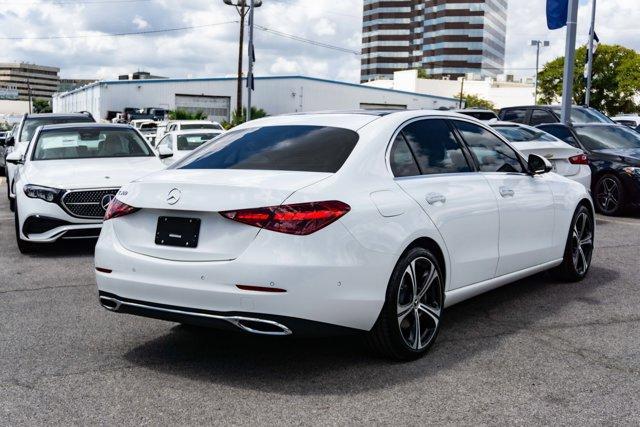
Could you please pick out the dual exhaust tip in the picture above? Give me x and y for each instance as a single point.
(247, 324)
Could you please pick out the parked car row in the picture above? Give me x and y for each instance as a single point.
(611, 148)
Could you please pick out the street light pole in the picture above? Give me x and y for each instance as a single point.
(587, 96)
(251, 59)
(537, 44)
(569, 61)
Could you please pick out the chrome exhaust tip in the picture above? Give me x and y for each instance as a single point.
(109, 303)
(248, 324)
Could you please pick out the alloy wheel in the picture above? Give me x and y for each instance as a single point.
(582, 242)
(608, 195)
(419, 303)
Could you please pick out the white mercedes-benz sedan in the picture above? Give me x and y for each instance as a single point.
(364, 221)
(69, 175)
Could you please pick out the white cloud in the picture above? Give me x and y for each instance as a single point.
(213, 50)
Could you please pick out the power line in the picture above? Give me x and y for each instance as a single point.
(308, 41)
(132, 33)
(71, 3)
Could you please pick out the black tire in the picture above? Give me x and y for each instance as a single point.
(579, 247)
(609, 195)
(394, 333)
(12, 202)
(3, 171)
(23, 246)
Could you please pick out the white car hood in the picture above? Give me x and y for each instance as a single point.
(90, 173)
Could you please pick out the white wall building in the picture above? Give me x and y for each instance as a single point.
(501, 92)
(217, 96)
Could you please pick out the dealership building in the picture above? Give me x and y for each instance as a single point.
(216, 97)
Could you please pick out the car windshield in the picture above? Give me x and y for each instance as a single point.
(193, 140)
(584, 115)
(520, 134)
(89, 143)
(32, 123)
(191, 126)
(148, 126)
(285, 148)
(608, 137)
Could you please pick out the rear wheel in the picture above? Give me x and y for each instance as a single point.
(410, 319)
(610, 197)
(579, 248)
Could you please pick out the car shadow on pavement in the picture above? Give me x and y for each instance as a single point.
(65, 248)
(343, 365)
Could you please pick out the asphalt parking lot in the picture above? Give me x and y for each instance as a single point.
(535, 352)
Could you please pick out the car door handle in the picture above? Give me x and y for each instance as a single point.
(433, 198)
(507, 192)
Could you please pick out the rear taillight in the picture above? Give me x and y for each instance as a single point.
(299, 219)
(117, 209)
(580, 159)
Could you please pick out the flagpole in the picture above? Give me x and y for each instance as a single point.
(587, 96)
(569, 61)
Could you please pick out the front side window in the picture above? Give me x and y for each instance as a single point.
(89, 144)
(31, 124)
(584, 115)
(435, 147)
(402, 161)
(286, 148)
(493, 154)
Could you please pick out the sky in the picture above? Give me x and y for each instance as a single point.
(72, 35)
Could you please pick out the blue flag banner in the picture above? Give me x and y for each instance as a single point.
(557, 11)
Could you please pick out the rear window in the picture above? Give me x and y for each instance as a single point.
(520, 134)
(31, 124)
(480, 115)
(200, 126)
(286, 148)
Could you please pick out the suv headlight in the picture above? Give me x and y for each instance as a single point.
(47, 194)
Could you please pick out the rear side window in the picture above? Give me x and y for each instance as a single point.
(492, 153)
(402, 161)
(515, 115)
(286, 148)
(435, 147)
(561, 133)
(539, 117)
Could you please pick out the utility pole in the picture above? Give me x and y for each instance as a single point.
(242, 8)
(537, 44)
(252, 6)
(461, 92)
(569, 61)
(29, 93)
(587, 96)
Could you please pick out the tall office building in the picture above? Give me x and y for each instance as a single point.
(443, 37)
(38, 80)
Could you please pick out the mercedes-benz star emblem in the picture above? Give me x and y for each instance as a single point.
(174, 196)
(106, 199)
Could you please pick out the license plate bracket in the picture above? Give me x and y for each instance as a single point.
(178, 231)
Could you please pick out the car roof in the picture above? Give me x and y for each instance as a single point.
(195, 131)
(583, 125)
(192, 121)
(480, 110)
(55, 115)
(86, 126)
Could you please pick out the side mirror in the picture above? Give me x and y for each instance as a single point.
(15, 158)
(10, 142)
(164, 152)
(538, 164)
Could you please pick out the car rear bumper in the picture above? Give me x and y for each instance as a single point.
(327, 278)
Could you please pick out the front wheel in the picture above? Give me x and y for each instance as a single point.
(411, 316)
(579, 247)
(24, 246)
(609, 195)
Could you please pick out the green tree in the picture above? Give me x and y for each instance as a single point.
(42, 106)
(180, 114)
(474, 101)
(237, 119)
(615, 81)
(422, 73)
